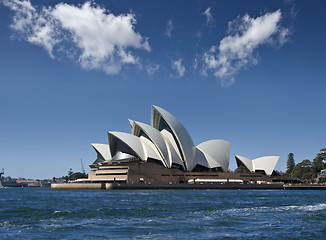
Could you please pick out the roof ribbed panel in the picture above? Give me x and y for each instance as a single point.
(132, 144)
(161, 119)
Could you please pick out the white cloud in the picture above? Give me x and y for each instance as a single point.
(195, 63)
(235, 51)
(152, 68)
(283, 36)
(209, 16)
(177, 65)
(169, 28)
(100, 39)
(32, 26)
(25, 13)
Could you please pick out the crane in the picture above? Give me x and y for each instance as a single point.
(82, 165)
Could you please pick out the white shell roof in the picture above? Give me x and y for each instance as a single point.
(103, 150)
(201, 159)
(206, 160)
(266, 163)
(157, 139)
(188, 150)
(247, 162)
(174, 154)
(218, 152)
(131, 123)
(120, 156)
(150, 149)
(131, 140)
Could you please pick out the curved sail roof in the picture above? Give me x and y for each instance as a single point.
(174, 154)
(131, 123)
(266, 164)
(218, 151)
(245, 161)
(206, 160)
(133, 143)
(161, 119)
(150, 150)
(120, 156)
(156, 137)
(103, 150)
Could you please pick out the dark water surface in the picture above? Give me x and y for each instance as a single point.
(42, 213)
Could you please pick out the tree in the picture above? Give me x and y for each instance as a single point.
(77, 175)
(304, 171)
(70, 172)
(290, 164)
(319, 162)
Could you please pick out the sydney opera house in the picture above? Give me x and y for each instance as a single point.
(164, 153)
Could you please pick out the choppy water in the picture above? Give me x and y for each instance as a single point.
(42, 213)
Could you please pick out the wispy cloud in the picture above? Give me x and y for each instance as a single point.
(236, 50)
(101, 40)
(208, 15)
(177, 65)
(169, 28)
(152, 68)
(207, 26)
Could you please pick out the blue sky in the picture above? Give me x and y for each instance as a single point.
(252, 73)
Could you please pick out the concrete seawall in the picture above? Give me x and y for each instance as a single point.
(304, 187)
(117, 186)
(78, 185)
(195, 186)
(143, 186)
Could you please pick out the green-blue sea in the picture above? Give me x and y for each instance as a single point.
(42, 213)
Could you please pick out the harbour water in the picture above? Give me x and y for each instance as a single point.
(42, 213)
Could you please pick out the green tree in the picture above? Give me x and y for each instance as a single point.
(77, 175)
(304, 171)
(68, 177)
(319, 162)
(290, 164)
(70, 172)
